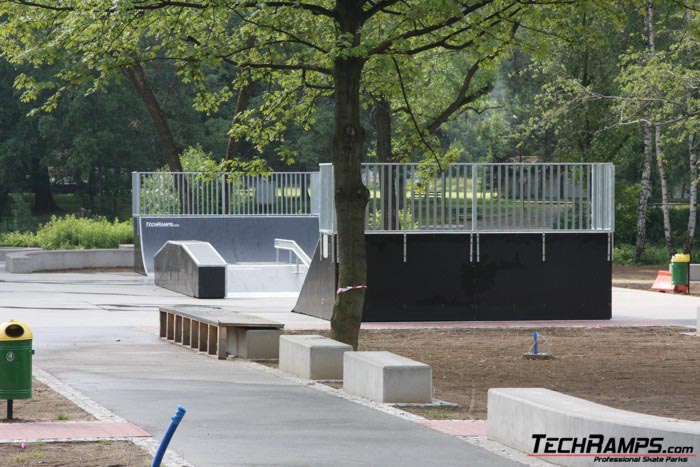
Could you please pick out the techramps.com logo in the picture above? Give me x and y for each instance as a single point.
(161, 224)
(606, 449)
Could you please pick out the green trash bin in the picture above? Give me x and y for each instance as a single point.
(15, 361)
(680, 269)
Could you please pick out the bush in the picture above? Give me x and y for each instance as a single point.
(626, 224)
(653, 255)
(18, 239)
(69, 233)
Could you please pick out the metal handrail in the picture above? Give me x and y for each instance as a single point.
(220, 194)
(292, 246)
(481, 198)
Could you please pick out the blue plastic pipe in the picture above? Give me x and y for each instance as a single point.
(535, 350)
(174, 422)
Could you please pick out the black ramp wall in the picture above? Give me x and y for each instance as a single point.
(317, 295)
(505, 277)
(237, 239)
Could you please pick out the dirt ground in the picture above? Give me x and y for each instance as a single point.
(642, 277)
(45, 406)
(101, 453)
(649, 370)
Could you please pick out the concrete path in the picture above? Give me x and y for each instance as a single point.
(630, 304)
(237, 415)
(95, 332)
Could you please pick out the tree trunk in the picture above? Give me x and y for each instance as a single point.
(646, 162)
(137, 77)
(664, 190)
(644, 194)
(693, 202)
(381, 121)
(233, 147)
(351, 195)
(246, 92)
(44, 202)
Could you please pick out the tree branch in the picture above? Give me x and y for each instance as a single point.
(413, 117)
(42, 5)
(377, 7)
(381, 48)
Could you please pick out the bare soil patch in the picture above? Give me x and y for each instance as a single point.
(649, 370)
(46, 405)
(102, 453)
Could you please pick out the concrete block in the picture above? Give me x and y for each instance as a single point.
(694, 272)
(25, 262)
(387, 377)
(253, 344)
(4, 251)
(516, 414)
(312, 356)
(18, 263)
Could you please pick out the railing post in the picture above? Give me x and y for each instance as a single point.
(611, 200)
(135, 194)
(474, 200)
(224, 201)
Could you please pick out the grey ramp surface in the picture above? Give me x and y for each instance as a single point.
(237, 415)
(237, 239)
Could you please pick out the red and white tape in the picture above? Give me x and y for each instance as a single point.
(347, 289)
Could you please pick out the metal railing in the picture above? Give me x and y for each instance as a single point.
(481, 198)
(410, 198)
(292, 247)
(224, 194)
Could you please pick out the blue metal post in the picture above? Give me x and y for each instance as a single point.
(174, 422)
(535, 345)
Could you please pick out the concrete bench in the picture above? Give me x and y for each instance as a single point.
(220, 332)
(516, 414)
(28, 261)
(387, 377)
(312, 356)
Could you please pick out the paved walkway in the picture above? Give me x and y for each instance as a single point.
(92, 332)
(237, 415)
(89, 333)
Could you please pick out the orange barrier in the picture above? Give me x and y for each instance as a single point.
(663, 282)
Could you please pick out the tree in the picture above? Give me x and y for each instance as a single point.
(649, 98)
(658, 90)
(68, 40)
(306, 50)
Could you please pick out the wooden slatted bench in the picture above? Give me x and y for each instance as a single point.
(220, 331)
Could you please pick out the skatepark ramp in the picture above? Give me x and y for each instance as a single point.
(241, 215)
(472, 241)
(465, 241)
(191, 268)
